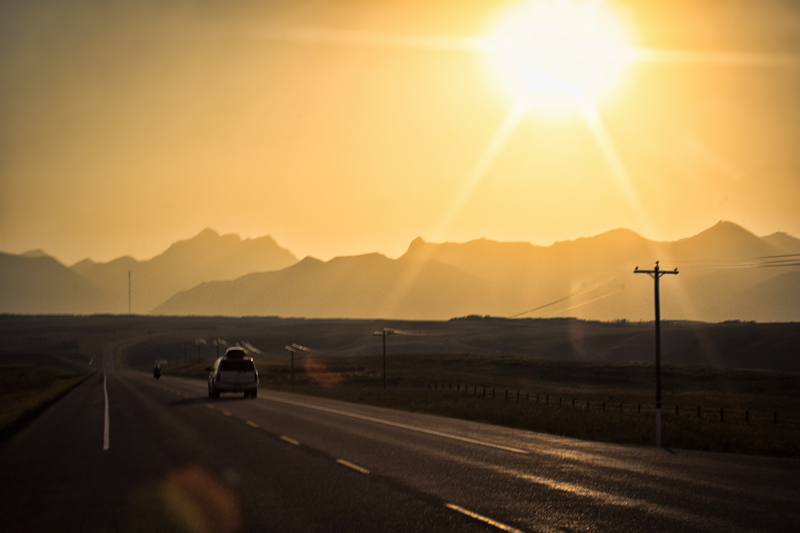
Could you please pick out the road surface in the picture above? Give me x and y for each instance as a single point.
(161, 456)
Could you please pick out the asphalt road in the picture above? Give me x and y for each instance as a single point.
(174, 460)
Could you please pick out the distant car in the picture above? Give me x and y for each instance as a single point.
(235, 372)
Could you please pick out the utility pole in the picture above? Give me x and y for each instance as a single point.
(218, 342)
(656, 274)
(129, 292)
(384, 333)
(291, 375)
(292, 349)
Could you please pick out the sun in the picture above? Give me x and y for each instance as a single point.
(559, 54)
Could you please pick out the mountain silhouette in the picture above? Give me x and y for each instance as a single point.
(784, 242)
(588, 278)
(725, 274)
(38, 284)
(344, 287)
(724, 240)
(207, 256)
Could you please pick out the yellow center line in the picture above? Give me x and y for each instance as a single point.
(251, 424)
(351, 465)
(290, 440)
(489, 521)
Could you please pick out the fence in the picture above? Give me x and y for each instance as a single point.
(722, 414)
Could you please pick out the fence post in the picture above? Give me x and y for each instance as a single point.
(506, 394)
(527, 396)
(604, 405)
(587, 405)
(698, 411)
(517, 395)
(747, 415)
(559, 403)
(547, 399)
(722, 414)
(537, 397)
(639, 409)
(677, 410)
(492, 393)
(620, 407)
(573, 403)
(484, 392)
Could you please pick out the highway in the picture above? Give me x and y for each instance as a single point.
(167, 458)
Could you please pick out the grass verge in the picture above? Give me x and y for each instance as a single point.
(26, 391)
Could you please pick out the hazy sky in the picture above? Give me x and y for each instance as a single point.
(350, 127)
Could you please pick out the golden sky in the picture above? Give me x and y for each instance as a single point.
(350, 127)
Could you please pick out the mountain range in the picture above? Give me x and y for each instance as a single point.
(725, 273)
(28, 280)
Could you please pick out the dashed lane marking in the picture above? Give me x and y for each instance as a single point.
(482, 518)
(227, 413)
(348, 464)
(290, 440)
(251, 424)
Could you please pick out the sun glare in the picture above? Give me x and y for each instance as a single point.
(559, 54)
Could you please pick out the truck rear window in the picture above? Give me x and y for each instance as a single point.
(236, 365)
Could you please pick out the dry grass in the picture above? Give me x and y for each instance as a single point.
(26, 391)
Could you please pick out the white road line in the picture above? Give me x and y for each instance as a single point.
(489, 521)
(351, 465)
(398, 425)
(105, 421)
(290, 440)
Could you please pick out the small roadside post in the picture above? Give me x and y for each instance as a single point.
(291, 349)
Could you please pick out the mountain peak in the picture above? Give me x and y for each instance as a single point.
(419, 241)
(35, 253)
(207, 233)
(723, 240)
(725, 226)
